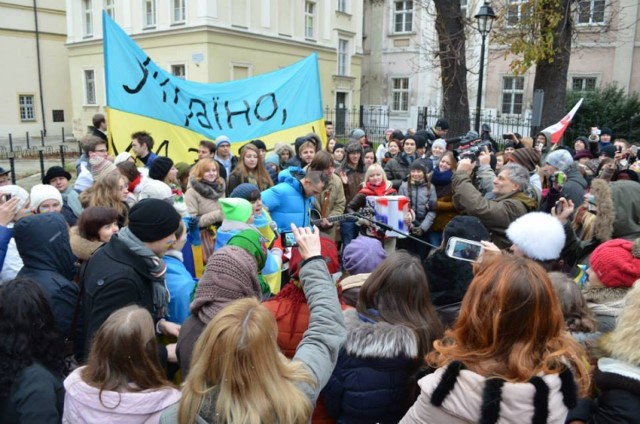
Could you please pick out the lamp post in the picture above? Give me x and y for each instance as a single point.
(485, 18)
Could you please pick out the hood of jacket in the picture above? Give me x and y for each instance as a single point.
(43, 243)
(575, 176)
(471, 394)
(80, 246)
(291, 175)
(618, 209)
(378, 340)
(131, 406)
(530, 203)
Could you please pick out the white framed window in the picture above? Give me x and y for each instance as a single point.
(149, 13)
(463, 8)
(343, 6)
(512, 95)
(179, 70)
(516, 11)
(179, 11)
(590, 12)
(110, 8)
(402, 16)
(343, 57)
(27, 111)
(400, 94)
(87, 17)
(89, 77)
(584, 83)
(309, 19)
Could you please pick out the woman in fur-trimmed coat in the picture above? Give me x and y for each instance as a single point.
(375, 377)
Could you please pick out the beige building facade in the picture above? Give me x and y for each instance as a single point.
(34, 87)
(606, 50)
(216, 41)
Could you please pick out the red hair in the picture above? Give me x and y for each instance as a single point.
(511, 325)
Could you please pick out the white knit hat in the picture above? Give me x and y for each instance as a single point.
(42, 192)
(122, 157)
(538, 235)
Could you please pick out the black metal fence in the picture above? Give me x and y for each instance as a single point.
(374, 120)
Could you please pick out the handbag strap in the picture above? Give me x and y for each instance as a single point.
(69, 340)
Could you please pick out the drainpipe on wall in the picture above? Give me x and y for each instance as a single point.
(44, 120)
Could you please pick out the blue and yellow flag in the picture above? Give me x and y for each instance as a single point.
(277, 106)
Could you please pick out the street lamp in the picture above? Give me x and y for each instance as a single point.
(485, 18)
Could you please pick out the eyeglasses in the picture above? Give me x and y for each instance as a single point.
(101, 151)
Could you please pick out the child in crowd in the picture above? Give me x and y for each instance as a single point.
(422, 200)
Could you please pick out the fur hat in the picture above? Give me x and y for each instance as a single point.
(538, 235)
(236, 209)
(101, 167)
(617, 262)
(231, 274)
(527, 157)
(160, 167)
(363, 255)
(560, 159)
(42, 192)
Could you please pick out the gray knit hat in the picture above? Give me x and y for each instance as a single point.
(560, 159)
(231, 274)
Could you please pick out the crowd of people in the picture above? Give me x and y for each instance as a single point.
(259, 288)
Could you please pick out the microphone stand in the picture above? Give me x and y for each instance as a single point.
(393, 230)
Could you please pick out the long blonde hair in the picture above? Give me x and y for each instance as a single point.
(105, 192)
(237, 362)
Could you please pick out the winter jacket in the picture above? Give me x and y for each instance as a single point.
(114, 277)
(37, 397)
(319, 348)
(398, 168)
(618, 217)
(181, 286)
(618, 383)
(335, 203)
(445, 210)
(204, 206)
(43, 243)
(287, 202)
(573, 189)
(189, 334)
(422, 198)
(359, 201)
(87, 404)
(5, 238)
(12, 261)
(375, 377)
(448, 280)
(467, 397)
(606, 303)
(496, 214)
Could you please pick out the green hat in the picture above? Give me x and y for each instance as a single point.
(252, 242)
(236, 209)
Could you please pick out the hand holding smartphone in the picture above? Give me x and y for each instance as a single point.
(464, 250)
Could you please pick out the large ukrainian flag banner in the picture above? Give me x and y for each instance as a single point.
(277, 106)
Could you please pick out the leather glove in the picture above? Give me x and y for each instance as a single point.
(416, 231)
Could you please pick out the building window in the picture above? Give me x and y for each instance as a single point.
(516, 11)
(27, 112)
(87, 17)
(110, 8)
(58, 115)
(403, 16)
(89, 87)
(463, 8)
(179, 71)
(309, 19)
(583, 83)
(343, 57)
(400, 93)
(590, 12)
(149, 13)
(342, 6)
(179, 11)
(512, 95)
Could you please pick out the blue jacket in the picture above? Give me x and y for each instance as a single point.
(181, 286)
(5, 237)
(286, 201)
(373, 381)
(43, 243)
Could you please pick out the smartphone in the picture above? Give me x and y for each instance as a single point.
(7, 197)
(288, 239)
(506, 136)
(618, 149)
(595, 131)
(559, 207)
(463, 249)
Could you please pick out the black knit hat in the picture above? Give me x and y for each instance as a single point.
(160, 167)
(442, 124)
(609, 151)
(53, 172)
(466, 227)
(420, 166)
(153, 219)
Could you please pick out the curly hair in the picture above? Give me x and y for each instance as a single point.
(28, 332)
(106, 192)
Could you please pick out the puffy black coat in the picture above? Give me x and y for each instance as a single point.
(43, 244)
(114, 278)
